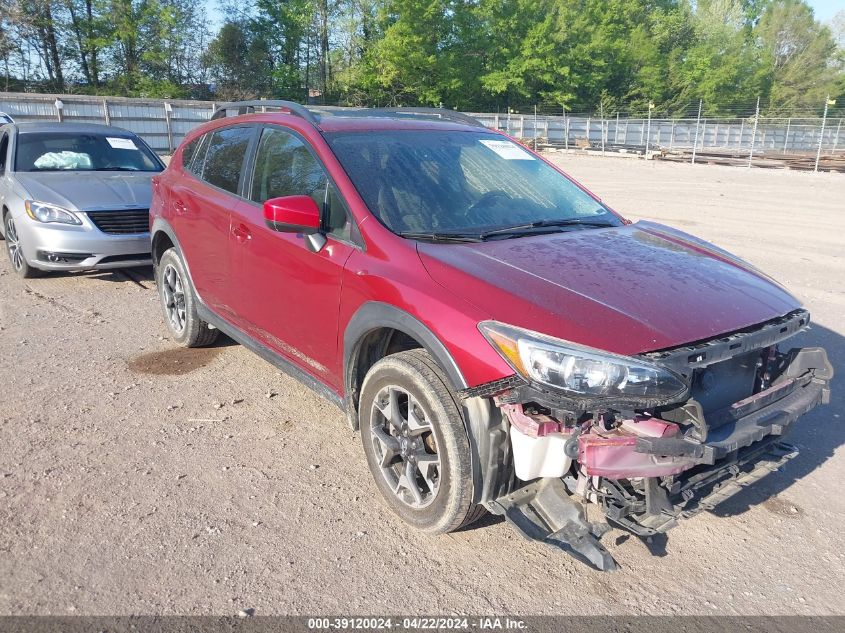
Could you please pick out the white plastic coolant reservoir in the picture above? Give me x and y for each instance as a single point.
(539, 456)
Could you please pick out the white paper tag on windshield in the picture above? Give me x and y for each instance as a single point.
(507, 150)
(121, 143)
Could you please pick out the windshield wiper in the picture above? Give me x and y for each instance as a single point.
(529, 227)
(442, 237)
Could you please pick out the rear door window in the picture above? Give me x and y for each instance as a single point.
(224, 159)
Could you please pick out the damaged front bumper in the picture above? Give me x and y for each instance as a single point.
(647, 472)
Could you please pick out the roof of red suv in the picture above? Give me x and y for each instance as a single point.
(336, 119)
(401, 122)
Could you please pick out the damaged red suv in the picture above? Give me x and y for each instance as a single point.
(502, 339)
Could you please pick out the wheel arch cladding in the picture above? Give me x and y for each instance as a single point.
(160, 243)
(377, 329)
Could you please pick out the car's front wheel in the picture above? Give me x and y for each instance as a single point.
(179, 303)
(14, 249)
(416, 443)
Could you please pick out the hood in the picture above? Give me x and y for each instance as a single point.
(628, 289)
(90, 190)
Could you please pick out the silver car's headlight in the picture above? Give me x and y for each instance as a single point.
(582, 372)
(44, 212)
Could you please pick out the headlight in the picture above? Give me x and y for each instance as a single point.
(583, 373)
(44, 212)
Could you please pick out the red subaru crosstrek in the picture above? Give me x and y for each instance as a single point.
(502, 339)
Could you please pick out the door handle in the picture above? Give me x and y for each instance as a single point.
(241, 233)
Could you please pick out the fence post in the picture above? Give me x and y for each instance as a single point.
(496, 121)
(106, 114)
(521, 126)
(741, 133)
(167, 110)
(565, 129)
(566, 133)
(648, 131)
(59, 107)
(754, 134)
(601, 110)
(821, 135)
(616, 130)
(697, 121)
(786, 138)
(672, 135)
(836, 138)
(535, 127)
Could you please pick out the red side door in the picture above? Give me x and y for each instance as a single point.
(201, 204)
(289, 295)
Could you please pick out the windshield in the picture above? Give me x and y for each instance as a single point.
(450, 183)
(68, 151)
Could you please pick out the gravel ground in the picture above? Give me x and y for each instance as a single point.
(137, 478)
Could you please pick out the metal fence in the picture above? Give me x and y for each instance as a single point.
(769, 135)
(164, 123)
(161, 123)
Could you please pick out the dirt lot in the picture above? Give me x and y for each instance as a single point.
(138, 478)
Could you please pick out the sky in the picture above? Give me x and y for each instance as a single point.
(824, 10)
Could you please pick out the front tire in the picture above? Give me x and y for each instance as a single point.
(416, 443)
(179, 303)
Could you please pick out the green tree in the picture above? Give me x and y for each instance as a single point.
(799, 53)
(424, 56)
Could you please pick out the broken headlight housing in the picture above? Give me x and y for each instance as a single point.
(583, 373)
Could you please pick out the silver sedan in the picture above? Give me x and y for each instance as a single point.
(75, 196)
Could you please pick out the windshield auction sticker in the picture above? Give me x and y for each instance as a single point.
(507, 150)
(121, 143)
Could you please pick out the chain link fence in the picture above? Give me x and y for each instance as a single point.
(164, 123)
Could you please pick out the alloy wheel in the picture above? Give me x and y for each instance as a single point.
(13, 244)
(173, 291)
(405, 446)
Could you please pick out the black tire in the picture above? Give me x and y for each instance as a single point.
(179, 304)
(15, 252)
(435, 433)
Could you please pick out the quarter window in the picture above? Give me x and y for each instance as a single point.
(4, 147)
(225, 157)
(190, 151)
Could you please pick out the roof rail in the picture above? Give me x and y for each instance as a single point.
(245, 107)
(443, 113)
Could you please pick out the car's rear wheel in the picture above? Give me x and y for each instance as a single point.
(416, 443)
(14, 249)
(179, 303)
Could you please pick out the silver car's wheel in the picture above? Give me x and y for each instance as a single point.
(15, 251)
(173, 290)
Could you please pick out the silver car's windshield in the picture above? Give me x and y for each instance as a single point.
(66, 151)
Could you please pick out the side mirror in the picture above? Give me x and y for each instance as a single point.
(292, 214)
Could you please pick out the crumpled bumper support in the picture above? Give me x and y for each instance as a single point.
(544, 511)
(767, 413)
